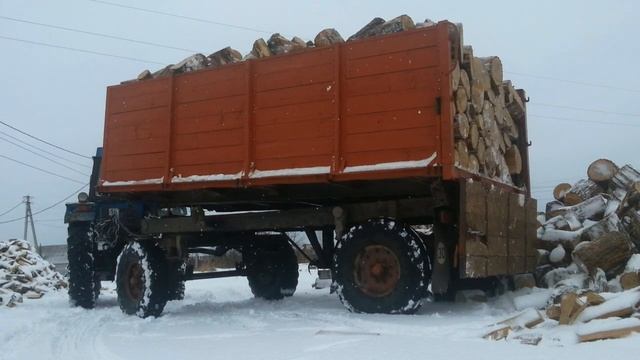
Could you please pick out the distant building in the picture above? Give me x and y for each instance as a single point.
(57, 255)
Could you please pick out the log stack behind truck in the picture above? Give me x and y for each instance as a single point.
(404, 151)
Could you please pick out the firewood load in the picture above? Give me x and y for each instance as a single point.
(24, 274)
(495, 110)
(488, 110)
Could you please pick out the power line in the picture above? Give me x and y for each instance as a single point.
(80, 50)
(584, 121)
(44, 151)
(13, 208)
(43, 156)
(96, 34)
(48, 207)
(39, 169)
(583, 109)
(43, 141)
(570, 81)
(158, 12)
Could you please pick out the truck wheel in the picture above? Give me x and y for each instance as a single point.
(141, 280)
(272, 267)
(381, 267)
(177, 275)
(83, 291)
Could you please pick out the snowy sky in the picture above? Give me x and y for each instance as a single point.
(58, 94)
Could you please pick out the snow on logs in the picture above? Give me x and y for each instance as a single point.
(23, 273)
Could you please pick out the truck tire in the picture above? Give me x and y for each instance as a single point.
(272, 267)
(141, 279)
(83, 287)
(381, 267)
(177, 275)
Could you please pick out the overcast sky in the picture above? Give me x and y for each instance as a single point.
(59, 94)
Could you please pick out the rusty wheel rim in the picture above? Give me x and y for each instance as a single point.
(135, 282)
(376, 270)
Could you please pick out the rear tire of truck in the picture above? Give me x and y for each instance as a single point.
(272, 267)
(177, 276)
(381, 267)
(83, 287)
(142, 280)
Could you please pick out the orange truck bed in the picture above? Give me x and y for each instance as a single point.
(370, 109)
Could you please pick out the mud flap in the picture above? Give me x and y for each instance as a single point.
(442, 256)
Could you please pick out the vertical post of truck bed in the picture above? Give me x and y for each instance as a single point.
(445, 131)
(168, 171)
(249, 124)
(337, 161)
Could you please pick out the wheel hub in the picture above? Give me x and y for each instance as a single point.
(376, 270)
(135, 282)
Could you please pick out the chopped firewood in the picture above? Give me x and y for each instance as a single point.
(608, 329)
(461, 126)
(461, 100)
(526, 319)
(623, 305)
(279, 44)
(298, 43)
(570, 308)
(514, 160)
(581, 191)
(455, 76)
(144, 75)
(223, 57)
(400, 23)
(260, 49)
(498, 333)
(622, 181)
(602, 170)
(371, 29)
(630, 278)
(493, 66)
(465, 82)
(553, 312)
(592, 298)
(192, 63)
(327, 37)
(607, 224)
(561, 190)
(609, 253)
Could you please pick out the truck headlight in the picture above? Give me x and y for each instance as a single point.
(83, 197)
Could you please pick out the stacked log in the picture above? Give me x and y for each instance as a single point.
(494, 109)
(23, 273)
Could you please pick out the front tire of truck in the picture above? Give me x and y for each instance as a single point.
(83, 287)
(272, 267)
(381, 267)
(142, 279)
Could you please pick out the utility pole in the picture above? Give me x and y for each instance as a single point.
(28, 218)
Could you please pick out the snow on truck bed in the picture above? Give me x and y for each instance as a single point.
(220, 319)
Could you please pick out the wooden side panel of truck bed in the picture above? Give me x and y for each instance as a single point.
(497, 231)
(361, 110)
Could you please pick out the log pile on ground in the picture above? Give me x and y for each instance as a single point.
(23, 273)
(489, 112)
(589, 259)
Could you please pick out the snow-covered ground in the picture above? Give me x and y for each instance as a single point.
(220, 319)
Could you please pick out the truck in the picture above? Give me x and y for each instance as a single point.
(352, 144)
